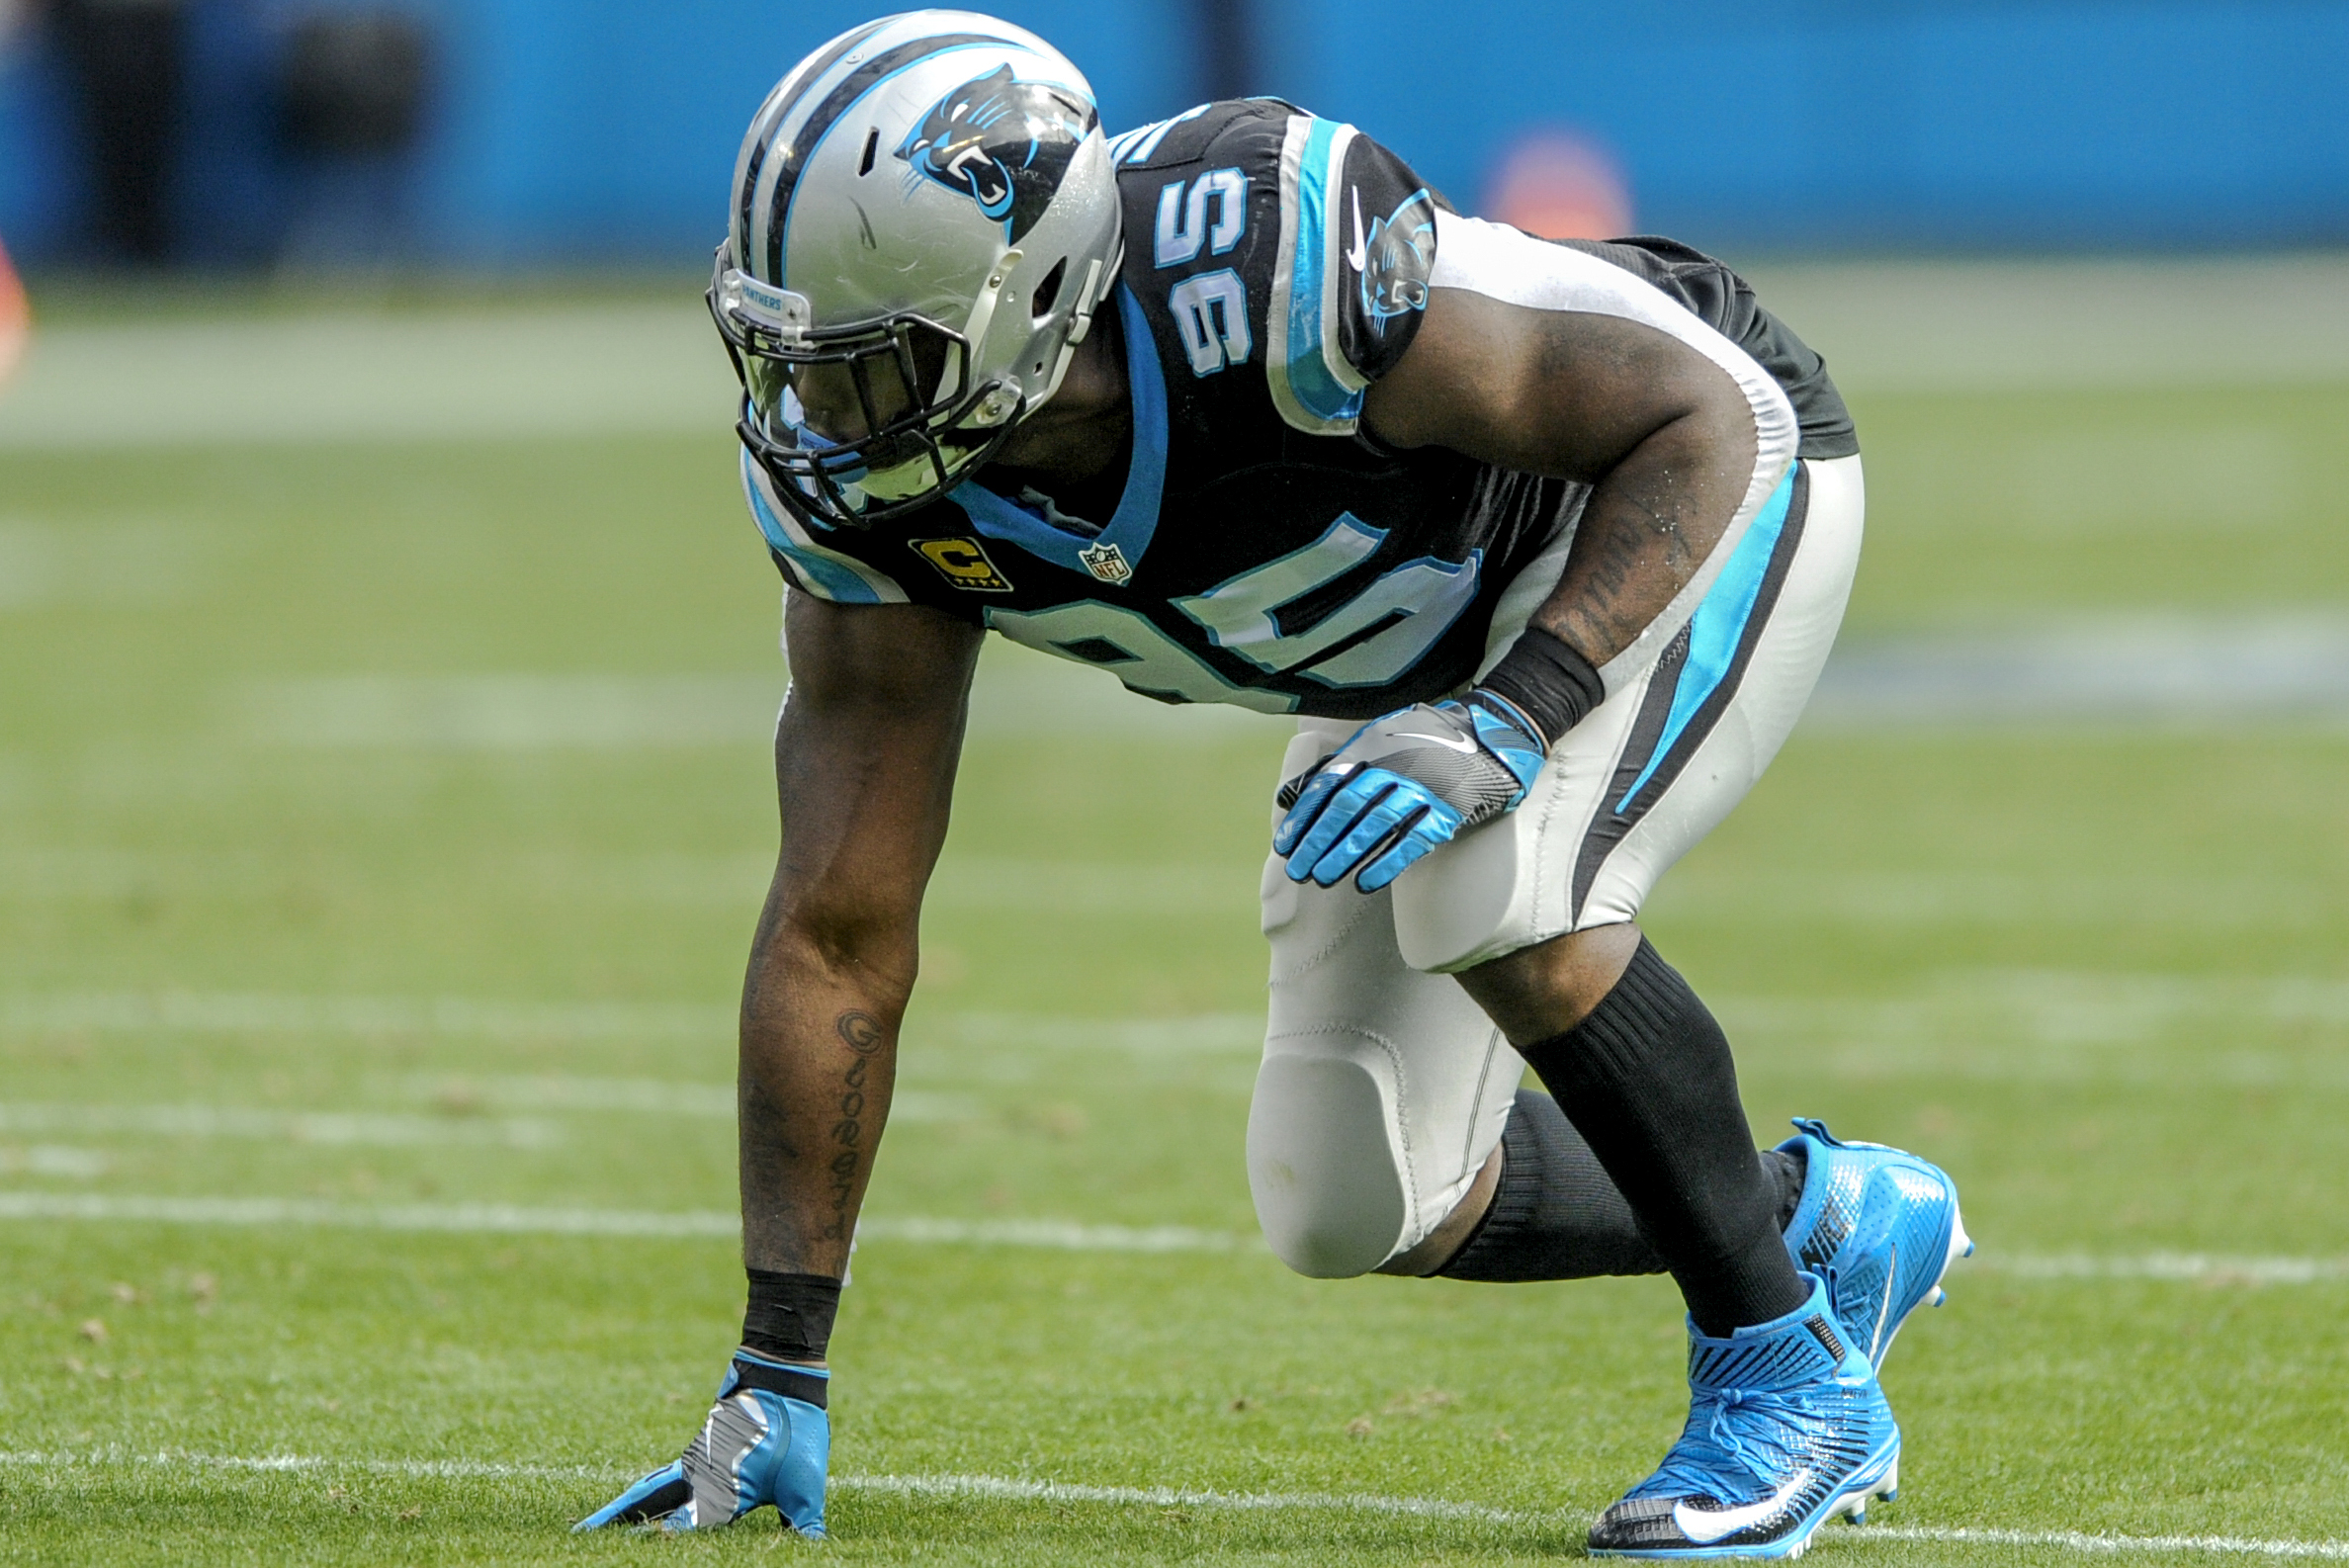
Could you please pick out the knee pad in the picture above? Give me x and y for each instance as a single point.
(1329, 1188)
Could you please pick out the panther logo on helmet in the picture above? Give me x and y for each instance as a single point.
(1002, 142)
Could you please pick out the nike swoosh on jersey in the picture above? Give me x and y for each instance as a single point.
(1359, 251)
(1706, 1525)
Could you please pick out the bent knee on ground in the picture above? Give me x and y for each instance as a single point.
(1329, 1187)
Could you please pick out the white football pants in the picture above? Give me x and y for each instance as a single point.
(1383, 1088)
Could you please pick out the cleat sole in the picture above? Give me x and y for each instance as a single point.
(1853, 1505)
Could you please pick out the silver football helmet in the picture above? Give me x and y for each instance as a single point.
(924, 221)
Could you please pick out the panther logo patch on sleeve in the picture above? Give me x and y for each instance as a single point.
(1002, 142)
(1395, 256)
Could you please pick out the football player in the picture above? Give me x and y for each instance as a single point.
(1543, 545)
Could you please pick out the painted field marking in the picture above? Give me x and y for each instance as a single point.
(241, 1012)
(458, 1017)
(1019, 1489)
(1057, 1235)
(2201, 1268)
(2159, 673)
(1008, 1489)
(2107, 1545)
(423, 1469)
(512, 1219)
(289, 1126)
(317, 1213)
(1019, 694)
(2103, 673)
(458, 1124)
(462, 1094)
(1050, 1235)
(56, 1159)
(345, 374)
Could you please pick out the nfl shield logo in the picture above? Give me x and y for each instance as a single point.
(1107, 562)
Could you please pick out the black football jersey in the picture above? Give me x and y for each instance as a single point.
(1262, 552)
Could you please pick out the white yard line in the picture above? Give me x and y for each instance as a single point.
(352, 375)
(2127, 672)
(1023, 1490)
(1009, 1489)
(2209, 1267)
(2103, 673)
(485, 1469)
(305, 1213)
(1019, 693)
(285, 1126)
(364, 1016)
(1050, 1235)
(1998, 325)
(1057, 1235)
(461, 1093)
(512, 1219)
(461, 1098)
(454, 1017)
(2106, 1546)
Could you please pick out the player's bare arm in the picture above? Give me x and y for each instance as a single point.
(864, 770)
(865, 754)
(1666, 439)
(1662, 434)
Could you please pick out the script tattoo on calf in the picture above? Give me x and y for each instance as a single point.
(861, 1032)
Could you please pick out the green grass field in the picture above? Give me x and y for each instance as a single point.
(278, 1016)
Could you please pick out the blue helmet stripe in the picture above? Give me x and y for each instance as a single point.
(773, 113)
(811, 131)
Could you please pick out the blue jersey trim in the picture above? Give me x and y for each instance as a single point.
(1718, 626)
(1310, 381)
(1137, 517)
(826, 576)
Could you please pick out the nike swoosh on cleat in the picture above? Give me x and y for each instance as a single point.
(1359, 251)
(1706, 1525)
(1876, 1341)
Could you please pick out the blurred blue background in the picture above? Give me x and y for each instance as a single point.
(567, 132)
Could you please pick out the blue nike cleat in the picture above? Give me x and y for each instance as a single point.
(1880, 1226)
(767, 1439)
(1787, 1428)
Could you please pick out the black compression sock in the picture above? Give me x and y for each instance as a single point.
(790, 1316)
(1556, 1215)
(1648, 1081)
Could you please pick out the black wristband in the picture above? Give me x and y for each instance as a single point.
(790, 1316)
(1544, 677)
(813, 1389)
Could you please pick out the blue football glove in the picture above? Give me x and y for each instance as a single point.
(1403, 784)
(763, 1442)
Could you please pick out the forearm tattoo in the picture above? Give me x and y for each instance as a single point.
(1631, 554)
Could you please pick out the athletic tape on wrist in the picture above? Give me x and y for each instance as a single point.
(790, 1316)
(1546, 679)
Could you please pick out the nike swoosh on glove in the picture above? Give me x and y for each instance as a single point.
(763, 1443)
(1403, 784)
